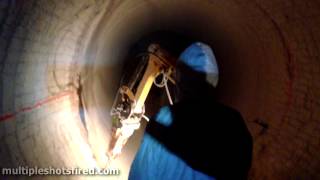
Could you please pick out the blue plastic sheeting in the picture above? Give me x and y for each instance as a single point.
(154, 161)
(200, 58)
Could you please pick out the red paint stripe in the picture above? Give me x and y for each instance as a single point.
(7, 116)
(35, 105)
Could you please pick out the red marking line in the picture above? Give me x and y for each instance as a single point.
(36, 105)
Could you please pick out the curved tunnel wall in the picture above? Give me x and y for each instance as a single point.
(60, 57)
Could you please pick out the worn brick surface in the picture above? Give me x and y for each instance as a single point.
(268, 53)
(38, 42)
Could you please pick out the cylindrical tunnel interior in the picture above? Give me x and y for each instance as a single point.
(61, 63)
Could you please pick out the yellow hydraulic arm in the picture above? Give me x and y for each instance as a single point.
(128, 109)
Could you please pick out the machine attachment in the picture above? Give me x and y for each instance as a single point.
(128, 108)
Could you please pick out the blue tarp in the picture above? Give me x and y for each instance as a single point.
(154, 161)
